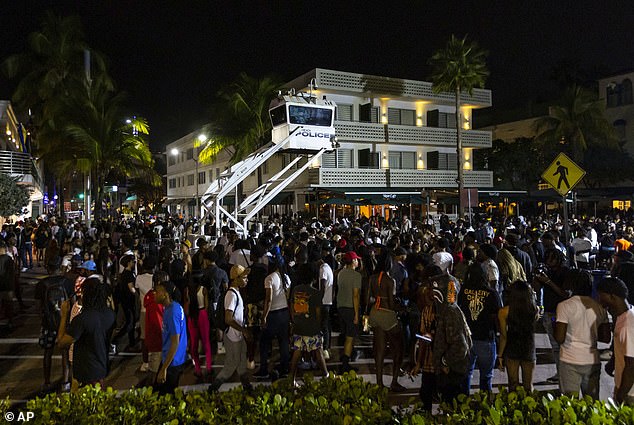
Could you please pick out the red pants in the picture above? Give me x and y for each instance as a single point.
(199, 330)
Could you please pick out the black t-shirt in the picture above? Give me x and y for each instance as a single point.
(125, 295)
(255, 291)
(305, 300)
(91, 332)
(551, 299)
(480, 307)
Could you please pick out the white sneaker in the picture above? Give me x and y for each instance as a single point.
(144, 367)
(24, 269)
(221, 349)
(251, 365)
(326, 355)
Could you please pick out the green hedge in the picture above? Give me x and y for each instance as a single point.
(344, 400)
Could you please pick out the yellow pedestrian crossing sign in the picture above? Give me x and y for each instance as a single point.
(563, 174)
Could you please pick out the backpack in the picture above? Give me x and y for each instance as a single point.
(220, 311)
(54, 294)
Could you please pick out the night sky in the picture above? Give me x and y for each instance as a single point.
(171, 57)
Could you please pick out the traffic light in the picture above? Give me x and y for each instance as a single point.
(80, 196)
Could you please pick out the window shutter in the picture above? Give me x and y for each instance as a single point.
(407, 116)
(450, 121)
(433, 118)
(344, 158)
(344, 112)
(394, 160)
(409, 160)
(329, 160)
(365, 112)
(374, 114)
(393, 116)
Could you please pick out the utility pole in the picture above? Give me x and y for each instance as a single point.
(87, 195)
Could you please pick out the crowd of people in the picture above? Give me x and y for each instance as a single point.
(440, 301)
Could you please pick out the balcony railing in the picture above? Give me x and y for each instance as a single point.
(19, 164)
(394, 87)
(406, 134)
(358, 177)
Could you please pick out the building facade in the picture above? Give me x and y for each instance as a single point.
(396, 138)
(616, 91)
(16, 159)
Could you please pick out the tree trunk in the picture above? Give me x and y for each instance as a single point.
(460, 179)
(98, 188)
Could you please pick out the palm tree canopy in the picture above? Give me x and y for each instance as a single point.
(95, 128)
(575, 123)
(53, 63)
(461, 65)
(241, 120)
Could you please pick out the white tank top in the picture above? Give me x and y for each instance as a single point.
(201, 298)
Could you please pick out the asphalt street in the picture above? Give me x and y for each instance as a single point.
(21, 360)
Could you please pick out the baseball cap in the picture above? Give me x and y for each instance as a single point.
(349, 256)
(238, 271)
(89, 265)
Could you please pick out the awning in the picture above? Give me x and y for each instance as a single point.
(374, 196)
(131, 198)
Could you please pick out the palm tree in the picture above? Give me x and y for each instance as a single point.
(102, 140)
(241, 120)
(53, 64)
(51, 72)
(460, 66)
(574, 124)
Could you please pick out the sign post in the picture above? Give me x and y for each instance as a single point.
(563, 174)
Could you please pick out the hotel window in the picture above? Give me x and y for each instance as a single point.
(344, 112)
(172, 183)
(341, 158)
(190, 153)
(402, 160)
(190, 180)
(171, 160)
(201, 177)
(367, 159)
(401, 116)
(435, 118)
(368, 113)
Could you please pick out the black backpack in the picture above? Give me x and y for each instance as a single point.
(54, 294)
(220, 311)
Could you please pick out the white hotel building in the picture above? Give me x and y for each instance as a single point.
(396, 139)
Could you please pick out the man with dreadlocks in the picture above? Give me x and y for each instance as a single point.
(452, 341)
(90, 332)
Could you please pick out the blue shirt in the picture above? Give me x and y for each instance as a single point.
(174, 323)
